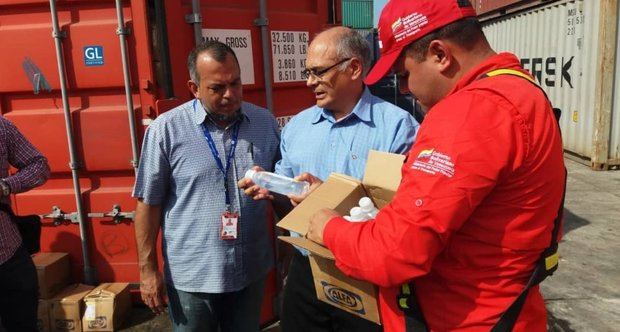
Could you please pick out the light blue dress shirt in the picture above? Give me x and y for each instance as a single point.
(314, 142)
(178, 171)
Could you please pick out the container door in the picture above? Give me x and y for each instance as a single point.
(30, 97)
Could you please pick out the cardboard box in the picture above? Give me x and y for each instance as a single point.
(340, 192)
(53, 272)
(106, 307)
(43, 316)
(67, 307)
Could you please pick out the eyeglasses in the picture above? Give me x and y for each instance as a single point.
(318, 73)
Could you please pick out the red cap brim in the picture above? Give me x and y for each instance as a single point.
(382, 67)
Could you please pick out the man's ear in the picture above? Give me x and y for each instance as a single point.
(356, 68)
(440, 54)
(193, 87)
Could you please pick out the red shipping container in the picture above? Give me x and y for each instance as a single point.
(30, 97)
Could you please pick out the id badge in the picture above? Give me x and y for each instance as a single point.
(230, 223)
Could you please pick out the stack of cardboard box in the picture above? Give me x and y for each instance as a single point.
(53, 272)
(76, 307)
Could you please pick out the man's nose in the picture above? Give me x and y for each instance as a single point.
(311, 81)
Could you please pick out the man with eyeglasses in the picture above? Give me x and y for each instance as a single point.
(474, 225)
(216, 244)
(335, 135)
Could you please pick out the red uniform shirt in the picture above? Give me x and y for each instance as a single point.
(480, 190)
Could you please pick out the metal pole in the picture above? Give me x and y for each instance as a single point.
(263, 22)
(122, 32)
(197, 21)
(89, 271)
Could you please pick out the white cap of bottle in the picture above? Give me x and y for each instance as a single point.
(357, 214)
(368, 207)
(366, 203)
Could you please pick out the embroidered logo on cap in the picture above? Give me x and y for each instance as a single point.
(408, 26)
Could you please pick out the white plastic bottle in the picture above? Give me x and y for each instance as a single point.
(357, 215)
(278, 183)
(368, 207)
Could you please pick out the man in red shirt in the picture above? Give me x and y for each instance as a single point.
(480, 188)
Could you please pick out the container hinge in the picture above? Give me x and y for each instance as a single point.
(117, 215)
(60, 34)
(60, 217)
(261, 21)
(193, 18)
(123, 31)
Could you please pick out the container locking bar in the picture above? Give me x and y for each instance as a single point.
(59, 217)
(117, 215)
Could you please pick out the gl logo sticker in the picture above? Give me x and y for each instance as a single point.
(343, 298)
(93, 56)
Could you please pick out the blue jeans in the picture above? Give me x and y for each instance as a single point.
(235, 311)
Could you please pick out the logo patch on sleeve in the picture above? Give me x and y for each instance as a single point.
(433, 162)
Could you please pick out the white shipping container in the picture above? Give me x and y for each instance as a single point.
(571, 48)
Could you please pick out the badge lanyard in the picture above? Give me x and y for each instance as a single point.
(218, 160)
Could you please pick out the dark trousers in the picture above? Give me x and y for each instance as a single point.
(302, 311)
(19, 290)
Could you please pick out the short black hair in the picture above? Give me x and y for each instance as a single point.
(464, 32)
(217, 50)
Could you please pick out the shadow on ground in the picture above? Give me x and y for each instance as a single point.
(573, 221)
(557, 324)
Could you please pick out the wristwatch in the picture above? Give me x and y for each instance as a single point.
(6, 190)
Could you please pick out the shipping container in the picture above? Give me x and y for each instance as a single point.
(503, 7)
(156, 36)
(571, 48)
(357, 14)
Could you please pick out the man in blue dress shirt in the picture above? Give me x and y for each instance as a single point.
(216, 244)
(335, 135)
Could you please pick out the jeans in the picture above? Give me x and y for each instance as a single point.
(19, 292)
(235, 311)
(302, 311)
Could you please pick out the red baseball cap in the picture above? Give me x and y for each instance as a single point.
(405, 21)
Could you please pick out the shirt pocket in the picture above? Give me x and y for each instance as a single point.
(263, 154)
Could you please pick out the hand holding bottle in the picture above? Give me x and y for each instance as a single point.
(314, 183)
(254, 190)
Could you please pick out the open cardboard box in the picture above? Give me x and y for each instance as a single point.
(341, 193)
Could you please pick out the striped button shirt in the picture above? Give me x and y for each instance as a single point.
(33, 171)
(178, 171)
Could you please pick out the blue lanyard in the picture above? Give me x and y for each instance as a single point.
(218, 160)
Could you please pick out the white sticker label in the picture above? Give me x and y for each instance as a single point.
(288, 50)
(241, 42)
(90, 313)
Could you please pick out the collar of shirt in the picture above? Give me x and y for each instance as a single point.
(200, 114)
(498, 61)
(362, 110)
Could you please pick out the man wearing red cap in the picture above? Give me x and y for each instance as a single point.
(481, 192)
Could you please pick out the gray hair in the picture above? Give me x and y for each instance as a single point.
(217, 50)
(353, 44)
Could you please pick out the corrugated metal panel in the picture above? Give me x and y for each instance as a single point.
(357, 14)
(559, 44)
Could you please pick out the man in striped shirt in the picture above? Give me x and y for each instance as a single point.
(18, 277)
